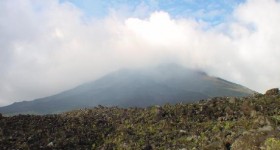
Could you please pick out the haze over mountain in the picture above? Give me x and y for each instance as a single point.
(169, 83)
(49, 46)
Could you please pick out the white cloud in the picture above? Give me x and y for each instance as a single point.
(47, 46)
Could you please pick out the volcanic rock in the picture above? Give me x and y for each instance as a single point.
(274, 91)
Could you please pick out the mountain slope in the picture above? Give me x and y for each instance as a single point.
(127, 88)
(220, 123)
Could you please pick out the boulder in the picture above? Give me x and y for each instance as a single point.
(50, 144)
(274, 91)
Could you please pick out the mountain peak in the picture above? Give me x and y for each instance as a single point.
(167, 83)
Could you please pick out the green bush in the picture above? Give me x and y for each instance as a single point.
(272, 144)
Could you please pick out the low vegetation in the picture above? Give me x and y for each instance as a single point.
(218, 123)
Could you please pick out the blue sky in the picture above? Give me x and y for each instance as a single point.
(210, 11)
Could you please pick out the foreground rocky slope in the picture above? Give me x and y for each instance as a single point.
(217, 123)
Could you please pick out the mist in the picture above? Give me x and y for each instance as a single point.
(51, 46)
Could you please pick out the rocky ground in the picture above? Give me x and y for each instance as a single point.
(217, 123)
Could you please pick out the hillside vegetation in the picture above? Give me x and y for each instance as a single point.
(218, 123)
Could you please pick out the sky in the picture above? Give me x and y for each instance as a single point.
(53, 45)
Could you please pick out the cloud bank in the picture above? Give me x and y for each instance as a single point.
(50, 46)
